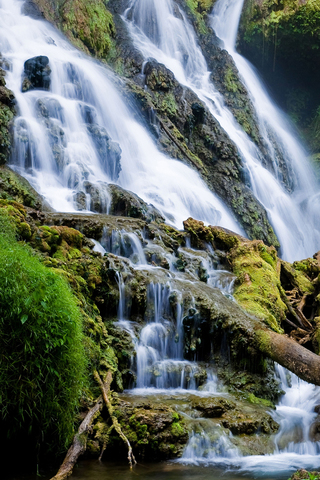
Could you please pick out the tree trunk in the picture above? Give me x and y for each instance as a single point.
(291, 355)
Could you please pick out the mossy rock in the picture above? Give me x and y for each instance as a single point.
(153, 429)
(87, 23)
(258, 286)
(14, 187)
(213, 407)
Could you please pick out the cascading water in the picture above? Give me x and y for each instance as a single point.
(293, 448)
(170, 39)
(73, 140)
(60, 135)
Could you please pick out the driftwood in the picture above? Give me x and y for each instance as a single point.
(105, 388)
(79, 444)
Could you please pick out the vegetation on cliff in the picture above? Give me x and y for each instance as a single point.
(87, 23)
(282, 40)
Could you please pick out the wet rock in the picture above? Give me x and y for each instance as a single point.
(314, 431)
(198, 111)
(50, 108)
(80, 201)
(99, 196)
(88, 113)
(6, 96)
(212, 407)
(31, 9)
(158, 76)
(128, 204)
(240, 423)
(109, 151)
(36, 74)
(260, 444)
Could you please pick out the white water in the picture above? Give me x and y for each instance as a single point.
(293, 448)
(172, 41)
(79, 85)
(173, 188)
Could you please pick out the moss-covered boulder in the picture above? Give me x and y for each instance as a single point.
(14, 187)
(154, 430)
(305, 475)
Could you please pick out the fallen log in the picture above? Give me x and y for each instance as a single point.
(79, 444)
(288, 353)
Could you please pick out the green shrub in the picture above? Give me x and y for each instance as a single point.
(42, 362)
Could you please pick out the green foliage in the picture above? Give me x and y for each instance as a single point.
(313, 476)
(88, 22)
(42, 361)
(199, 8)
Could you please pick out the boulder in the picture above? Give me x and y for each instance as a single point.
(212, 407)
(109, 152)
(127, 204)
(36, 74)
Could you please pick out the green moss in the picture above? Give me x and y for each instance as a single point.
(297, 277)
(15, 187)
(231, 81)
(177, 429)
(258, 286)
(199, 10)
(6, 116)
(259, 401)
(168, 106)
(263, 340)
(88, 23)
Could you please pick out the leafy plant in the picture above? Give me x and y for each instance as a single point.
(42, 360)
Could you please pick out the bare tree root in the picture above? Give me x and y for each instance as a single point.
(105, 388)
(79, 444)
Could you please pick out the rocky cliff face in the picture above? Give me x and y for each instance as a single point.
(282, 40)
(181, 124)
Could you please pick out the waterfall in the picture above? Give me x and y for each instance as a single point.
(296, 414)
(72, 141)
(75, 139)
(171, 40)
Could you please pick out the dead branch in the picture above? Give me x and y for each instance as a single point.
(79, 444)
(299, 317)
(305, 339)
(105, 442)
(105, 389)
(291, 323)
(302, 303)
(305, 322)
